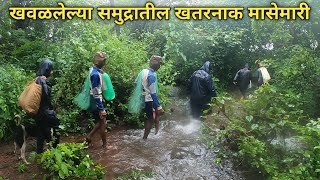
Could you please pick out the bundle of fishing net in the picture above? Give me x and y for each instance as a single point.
(85, 100)
(136, 99)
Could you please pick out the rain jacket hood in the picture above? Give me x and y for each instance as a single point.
(45, 68)
(201, 84)
(206, 67)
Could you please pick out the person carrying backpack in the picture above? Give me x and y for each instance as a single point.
(263, 75)
(46, 117)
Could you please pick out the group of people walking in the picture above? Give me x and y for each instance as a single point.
(200, 84)
(202, 88)
(46, 117)
(243, 78)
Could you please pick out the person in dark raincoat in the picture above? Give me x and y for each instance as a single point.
(202, 89)
(46, 117)
(243, 79)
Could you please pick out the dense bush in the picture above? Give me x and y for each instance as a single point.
(258, 135)
(190, 45)
(288, 108)
(69, 161)
(300, 73)
(75, 56)
(13, 80)
(274, 131)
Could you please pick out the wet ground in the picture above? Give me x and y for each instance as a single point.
(176, 152)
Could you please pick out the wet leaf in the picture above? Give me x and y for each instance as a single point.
(249, 118)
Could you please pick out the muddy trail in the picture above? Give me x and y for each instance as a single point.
(176, 152)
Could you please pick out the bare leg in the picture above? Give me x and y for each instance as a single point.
(156, 121)
(147, 128)
(92, 132)
(103, 132)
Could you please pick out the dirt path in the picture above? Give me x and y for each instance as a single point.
(177, 152)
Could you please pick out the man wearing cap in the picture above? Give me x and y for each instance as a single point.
(149, 84)
(96, 91)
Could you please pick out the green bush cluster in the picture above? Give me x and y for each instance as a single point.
(69, 161)
(13, 80)
(126, 57)
(190, 45)
(257, 135)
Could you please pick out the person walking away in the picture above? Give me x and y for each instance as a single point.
(263, 75)
(243, 80)
(202, 89)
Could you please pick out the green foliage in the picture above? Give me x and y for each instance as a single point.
(21, 167)
(166, 79)
(69, 121)
(13, 80)
(69, 160)
(274, 115)
(72, 54)
(286, 108)
(300, 73)
(32, 52)
(251, 131)
(32, 157)
(191, 44)
(257, 130)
